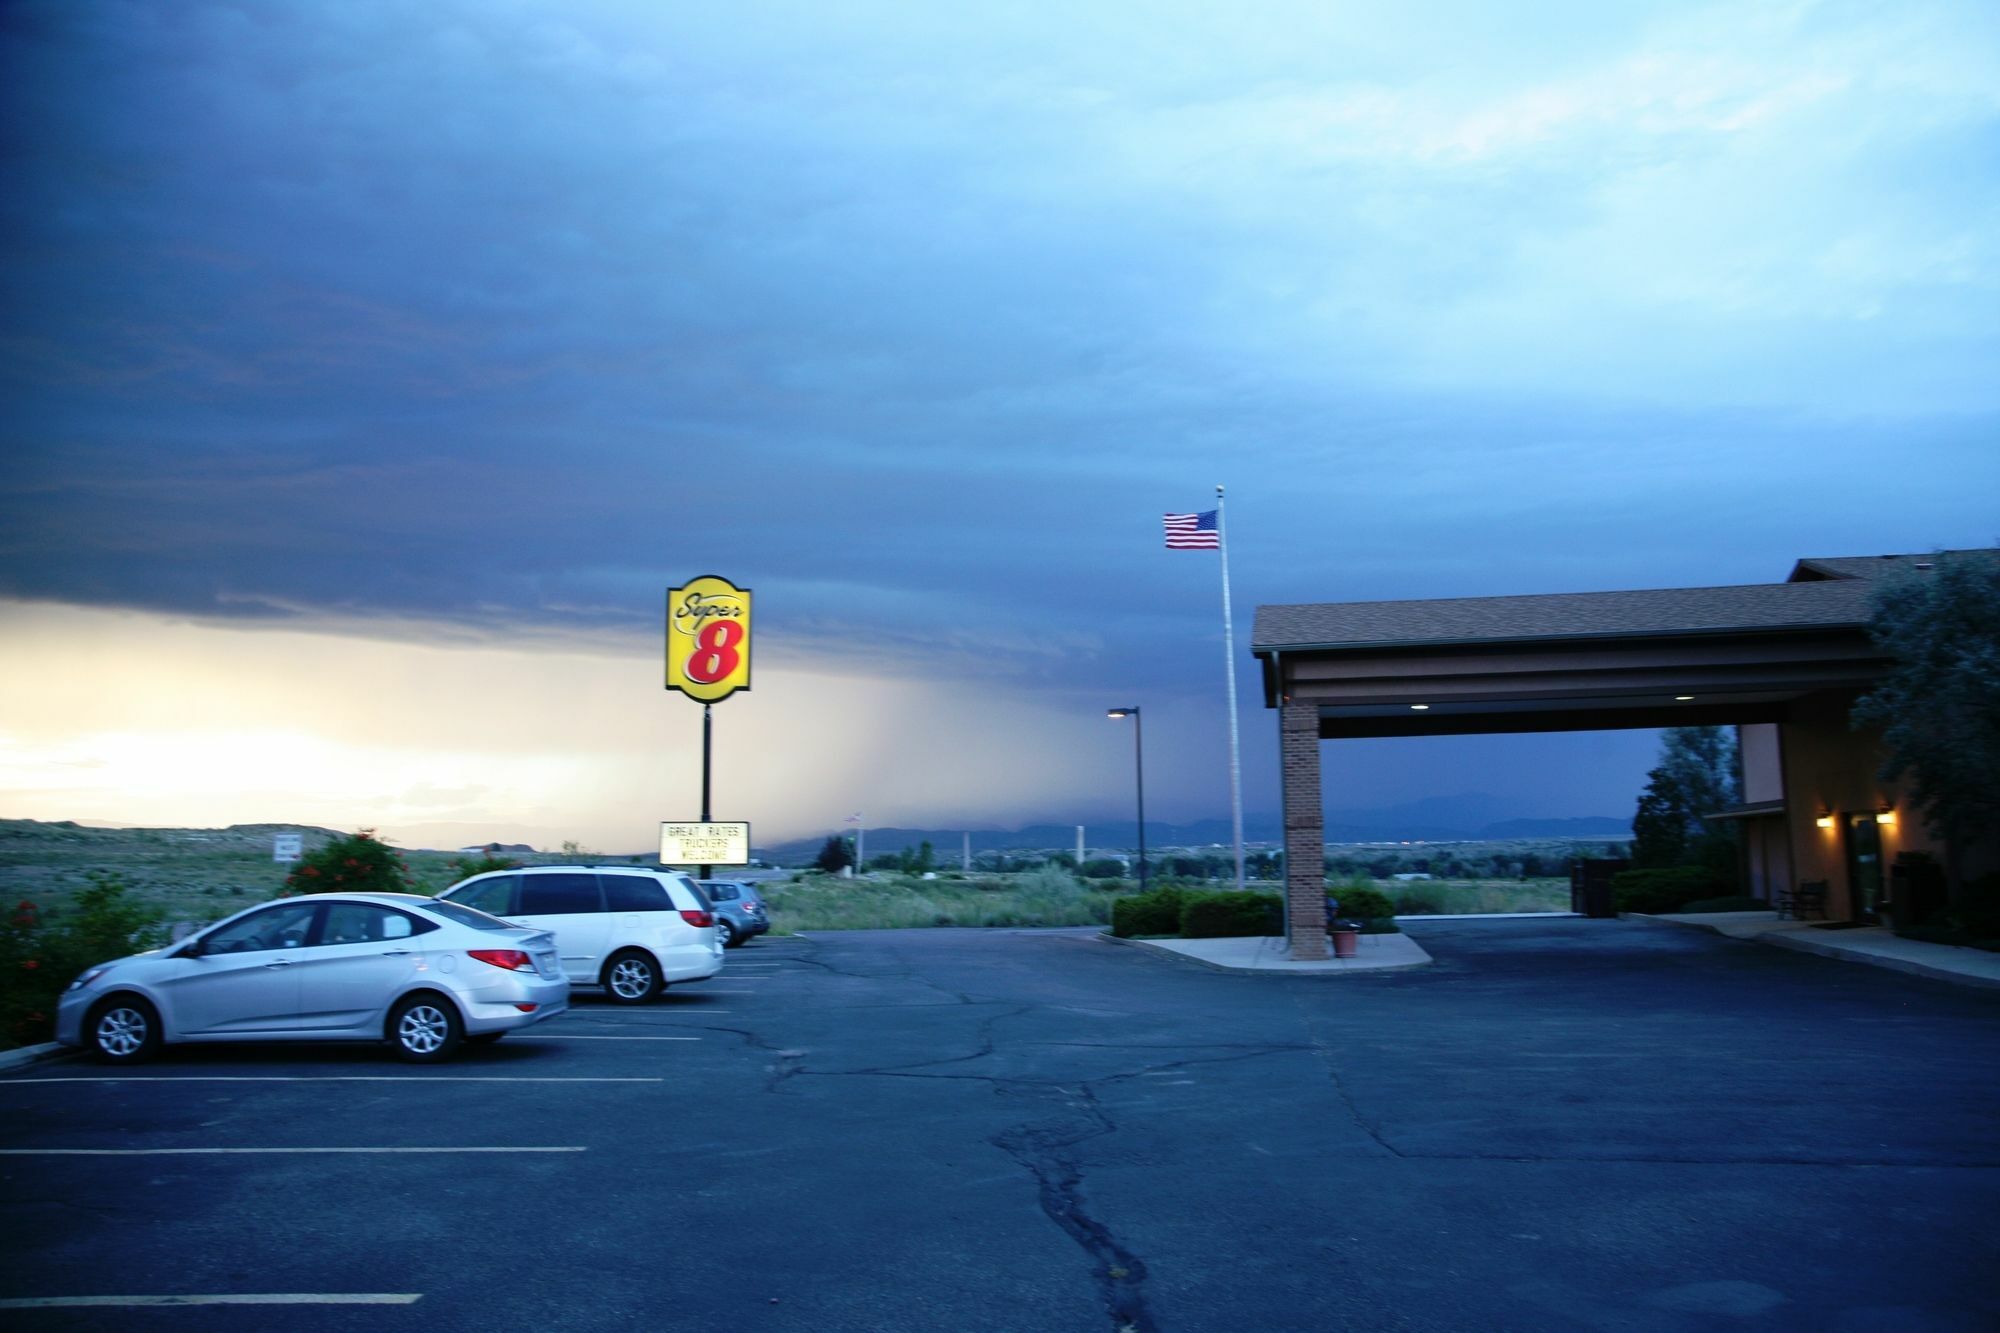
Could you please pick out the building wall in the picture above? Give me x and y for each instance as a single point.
(1763, 762)
(1767, 857)
(1831, 769)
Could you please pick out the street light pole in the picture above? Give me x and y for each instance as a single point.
(1139, 765)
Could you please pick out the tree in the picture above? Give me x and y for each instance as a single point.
(836, 856)
(357, 863)
(1939, 707)
(1697, 775)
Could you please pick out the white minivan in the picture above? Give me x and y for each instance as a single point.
(628, 929)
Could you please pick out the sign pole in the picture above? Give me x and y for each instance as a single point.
(707, 749)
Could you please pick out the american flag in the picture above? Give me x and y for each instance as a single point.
(1192, 532)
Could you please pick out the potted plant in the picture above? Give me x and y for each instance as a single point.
(1346, 937)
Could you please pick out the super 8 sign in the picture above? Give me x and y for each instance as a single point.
(708, 639)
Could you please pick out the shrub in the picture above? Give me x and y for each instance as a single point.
(1417, 902)
(462, 868)
(358, 863)
(1664, 889)
(1359, 902)
(1155, 913)
(40, 956)
(1049, 878)
(1227, 913)
(1733, 903)
(1972, 919)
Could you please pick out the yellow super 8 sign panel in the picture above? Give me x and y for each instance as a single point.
(708, 639)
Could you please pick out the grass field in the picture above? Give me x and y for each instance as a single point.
(199, 875)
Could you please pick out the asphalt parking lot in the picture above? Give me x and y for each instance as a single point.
(1564, 1124)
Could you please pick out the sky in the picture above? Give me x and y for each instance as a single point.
(370, 371)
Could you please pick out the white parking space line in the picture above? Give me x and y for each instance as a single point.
(326, 1078)
(218, 1152)
(267, 1298)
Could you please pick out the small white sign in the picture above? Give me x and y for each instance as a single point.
(712, 844)
(287, 846)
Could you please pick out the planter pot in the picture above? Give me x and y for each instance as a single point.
(1345, 942)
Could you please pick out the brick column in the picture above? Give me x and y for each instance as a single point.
(1305, 830)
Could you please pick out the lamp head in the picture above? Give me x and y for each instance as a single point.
(1122, 712)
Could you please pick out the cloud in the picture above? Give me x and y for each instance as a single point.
(468, 324)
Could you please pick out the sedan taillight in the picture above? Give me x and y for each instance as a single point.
(511, 959)
(694, 918)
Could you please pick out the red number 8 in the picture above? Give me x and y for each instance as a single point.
(715, 656)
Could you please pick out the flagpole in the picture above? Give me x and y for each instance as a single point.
(1229, 660)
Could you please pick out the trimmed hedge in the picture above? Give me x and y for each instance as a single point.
(1155, 913)
(1358, 902)
(1208, 916)
(1666, 889)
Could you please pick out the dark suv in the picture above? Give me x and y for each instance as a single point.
(739, 912)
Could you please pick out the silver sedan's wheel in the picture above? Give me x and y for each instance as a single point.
(123, 1030)
(631, 978)
(425, 1029)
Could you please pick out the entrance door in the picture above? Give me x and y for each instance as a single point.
(1864, 865)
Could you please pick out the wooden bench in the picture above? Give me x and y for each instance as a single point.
(1808, 899)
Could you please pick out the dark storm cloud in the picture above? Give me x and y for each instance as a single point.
(505, 317)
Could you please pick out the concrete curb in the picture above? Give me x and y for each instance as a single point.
(1330, 968)
(23, 1056)
(1829, 948)
(1910, 965)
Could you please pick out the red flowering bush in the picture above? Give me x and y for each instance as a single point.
(358, 863)
(41, 954)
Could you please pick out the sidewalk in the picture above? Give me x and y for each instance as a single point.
(1877, 946)
(1266, 955)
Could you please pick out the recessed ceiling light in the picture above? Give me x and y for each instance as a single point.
(1683, 698)
(1420, 707)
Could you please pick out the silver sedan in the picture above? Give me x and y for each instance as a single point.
(418, 973)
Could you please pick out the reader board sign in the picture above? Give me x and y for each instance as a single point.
(705, 844)
(287, 846)
(708, 639)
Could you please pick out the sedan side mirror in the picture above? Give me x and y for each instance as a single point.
(192, 949)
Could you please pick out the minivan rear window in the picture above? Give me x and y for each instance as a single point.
(561, 894)
(635, 893)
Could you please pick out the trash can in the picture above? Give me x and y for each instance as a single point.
(1346, 937)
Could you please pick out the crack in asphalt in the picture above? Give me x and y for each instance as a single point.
(1043, 1149)
(1319, 1047)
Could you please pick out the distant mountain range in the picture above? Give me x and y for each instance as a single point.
(1472, 817)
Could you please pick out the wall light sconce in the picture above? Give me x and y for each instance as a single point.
(1825, 819)
(1886, 816)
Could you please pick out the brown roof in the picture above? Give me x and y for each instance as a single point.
(1867, 566)
(1833, 603)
